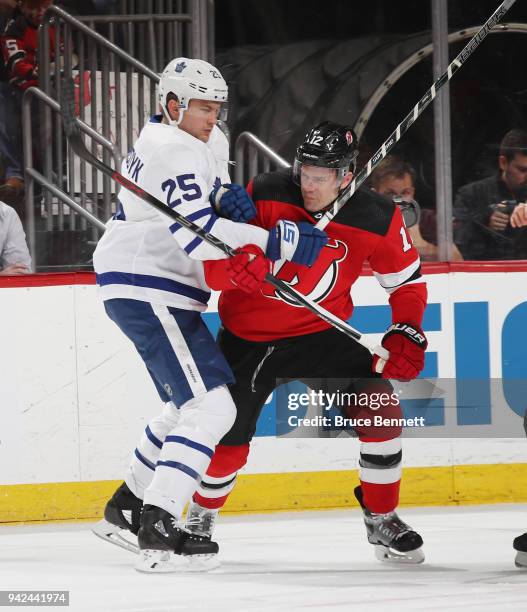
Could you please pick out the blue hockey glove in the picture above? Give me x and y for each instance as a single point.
(233, 202)
(297, 242)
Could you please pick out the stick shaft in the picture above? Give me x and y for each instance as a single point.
(417, 110)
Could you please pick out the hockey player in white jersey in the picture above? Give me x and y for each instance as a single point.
(150, 273)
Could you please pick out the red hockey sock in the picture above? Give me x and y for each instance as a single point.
(220, 478)
(380, 498)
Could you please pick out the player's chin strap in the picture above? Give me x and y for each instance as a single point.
(417, 110)
(166, 115)
(76, 142)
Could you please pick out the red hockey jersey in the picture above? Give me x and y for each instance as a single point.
(368, 229)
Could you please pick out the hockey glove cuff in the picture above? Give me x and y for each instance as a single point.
(233, 202)
(248, 268)
(407, 345)
(300, 243)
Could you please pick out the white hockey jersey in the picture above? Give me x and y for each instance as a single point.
(145, 255)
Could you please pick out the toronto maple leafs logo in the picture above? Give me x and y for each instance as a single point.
(180, 67)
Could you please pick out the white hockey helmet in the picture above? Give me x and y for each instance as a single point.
(190, 79)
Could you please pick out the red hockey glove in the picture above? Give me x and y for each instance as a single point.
(407, 345)
(247, 269)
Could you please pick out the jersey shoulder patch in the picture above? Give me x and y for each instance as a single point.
(368, 211)
(277, 186)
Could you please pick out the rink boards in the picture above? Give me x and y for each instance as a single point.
(74, 397)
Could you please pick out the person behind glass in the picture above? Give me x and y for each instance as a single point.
(19, 43)
(14, 254)
(492, 212)
(7, 8)
(395, 178)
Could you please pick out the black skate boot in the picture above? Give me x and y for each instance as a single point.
(394, 541)
(122, 514)
(166, 547)
(520, 546)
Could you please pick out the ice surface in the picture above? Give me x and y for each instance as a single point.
(293, 561)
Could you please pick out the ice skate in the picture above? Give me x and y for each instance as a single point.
(200, 521)
(394, 541)
(520, 546)
(121, 517)
(166, 547)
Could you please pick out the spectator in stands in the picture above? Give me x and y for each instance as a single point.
(19, 46)
(9, 164)
(492, 212)
(14, 254)
(396, 178)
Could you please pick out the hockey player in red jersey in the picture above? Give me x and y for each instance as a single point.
(265, 337)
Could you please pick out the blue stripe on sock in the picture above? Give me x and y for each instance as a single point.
(156, 441)
(180, 466)
(144, 460)
(195, 445)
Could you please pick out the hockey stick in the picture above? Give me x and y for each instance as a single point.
(74, 137)
(417, 110)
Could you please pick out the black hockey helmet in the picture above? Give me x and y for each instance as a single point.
(328, 145)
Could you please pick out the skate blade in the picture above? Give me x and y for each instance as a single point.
(521, 560)
(163, 562)
(112, 533)
(389, 555)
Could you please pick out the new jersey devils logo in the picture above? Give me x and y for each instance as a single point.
(316, 282)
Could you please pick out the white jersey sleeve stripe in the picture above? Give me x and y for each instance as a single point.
(395, 279)
(419, 279)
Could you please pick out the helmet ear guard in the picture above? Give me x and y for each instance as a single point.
(188, 79)
(328, 145)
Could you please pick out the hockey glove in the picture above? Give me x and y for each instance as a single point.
(246, 273)
(407, 345)
(233, 202)
(297, 242)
